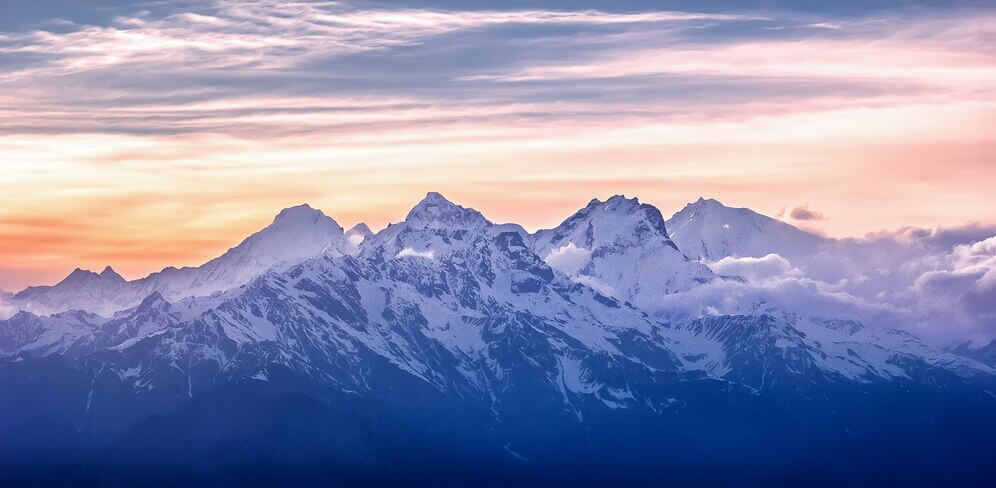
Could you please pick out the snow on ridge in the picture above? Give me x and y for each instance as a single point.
(616, 248)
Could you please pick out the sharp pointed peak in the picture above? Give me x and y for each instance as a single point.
(434, 198)
(435, 207)
(358, 233)
(360, 229)
(78, 275)
(708, 201)
(109, 273)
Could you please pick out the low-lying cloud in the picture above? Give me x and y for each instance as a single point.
(6, 309)
(409, 252)
(937, 284)
(594, 284)
(965, 288)
(568, 259)
(753, 269)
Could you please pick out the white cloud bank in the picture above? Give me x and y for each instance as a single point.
(753, 269)
(939, 285)
(568, 259)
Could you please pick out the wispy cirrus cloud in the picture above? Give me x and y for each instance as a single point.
(273, 34)
(202, 68)
(899, 60)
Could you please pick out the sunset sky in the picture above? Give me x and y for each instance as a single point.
(155, 133)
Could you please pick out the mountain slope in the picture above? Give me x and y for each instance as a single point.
(80, 290)
(622, 248)
(295, 234)
(447, 344)
(69, 333)
(708, 230)
(440, 277)
(431, 296)
(356, 235)
(985, 354)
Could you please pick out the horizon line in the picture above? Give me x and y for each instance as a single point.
(531, 230)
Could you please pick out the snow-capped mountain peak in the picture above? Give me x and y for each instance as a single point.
(300, 218)
(434, 227)
(620, 204)
(708, 230)
(618, 221)
(620, 247)
(297, 215)
(295, 234)
(356, 235)
(619, 199)
(447, 310)
(436, 211)
(358, 232)
(84, 284)
(109, 274)
(78, 275)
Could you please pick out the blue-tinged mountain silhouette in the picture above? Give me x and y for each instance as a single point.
(445, 349)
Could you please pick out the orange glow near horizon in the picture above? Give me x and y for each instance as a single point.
(140, 218)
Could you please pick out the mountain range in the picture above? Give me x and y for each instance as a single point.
(447, 348)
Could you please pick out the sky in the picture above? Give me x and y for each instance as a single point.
(141, 134)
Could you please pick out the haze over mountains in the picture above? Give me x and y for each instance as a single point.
(709, 230)
(447, 341)
(295, 234)
(881, 278)
(706, 259)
